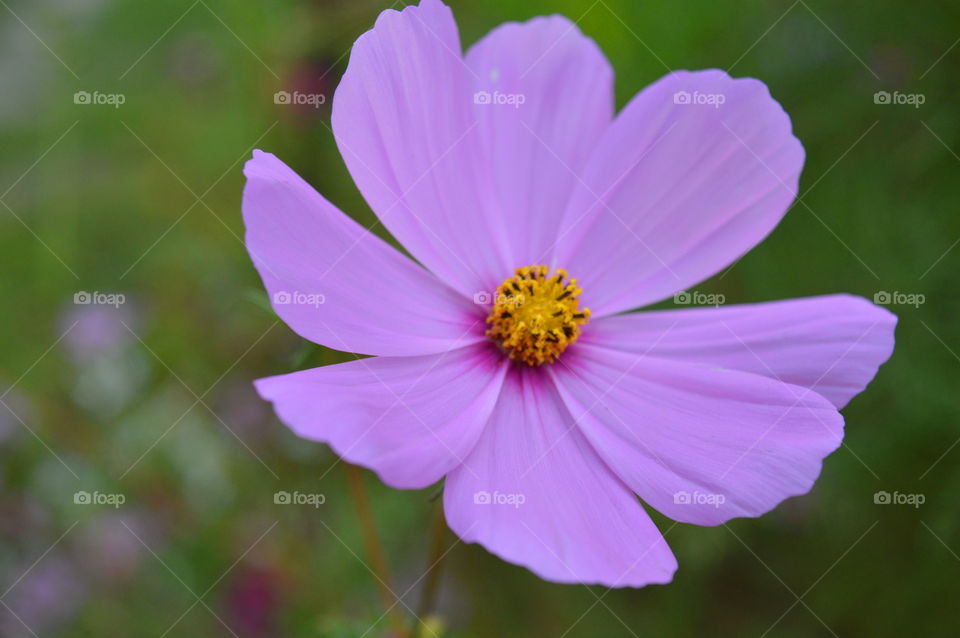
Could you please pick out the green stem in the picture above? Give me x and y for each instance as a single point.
(375, 550)
(431, 585)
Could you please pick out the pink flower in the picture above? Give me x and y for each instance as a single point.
(545, 418)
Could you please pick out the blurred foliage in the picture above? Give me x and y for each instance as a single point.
(143, 200)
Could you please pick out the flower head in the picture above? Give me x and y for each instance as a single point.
(545, 408)
(536, 315)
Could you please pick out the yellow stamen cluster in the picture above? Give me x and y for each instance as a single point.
(535, 316)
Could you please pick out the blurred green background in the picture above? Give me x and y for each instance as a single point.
(150, 402)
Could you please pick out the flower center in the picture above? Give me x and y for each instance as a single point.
(535, 316)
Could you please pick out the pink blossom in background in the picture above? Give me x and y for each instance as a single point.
(110, 547)
(99, 340)
(92, 331)
(44, 598)
(511, 156)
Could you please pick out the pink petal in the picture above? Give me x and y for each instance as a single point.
(676, 192)
(403, 120)
(577, 523)
(394, 415)
(544, 97)
(832, 344)
(337, 284)
(731, 443)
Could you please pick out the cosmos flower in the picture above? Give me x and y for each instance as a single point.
(504, 361)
